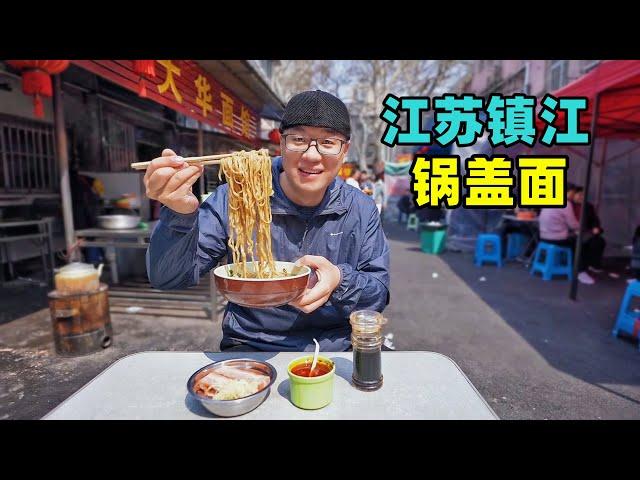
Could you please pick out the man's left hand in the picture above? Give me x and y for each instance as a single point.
(328, 280)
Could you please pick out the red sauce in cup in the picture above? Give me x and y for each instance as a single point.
(304, 369)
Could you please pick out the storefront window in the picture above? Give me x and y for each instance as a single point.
(557, 76)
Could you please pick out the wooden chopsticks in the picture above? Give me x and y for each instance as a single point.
(206, 160)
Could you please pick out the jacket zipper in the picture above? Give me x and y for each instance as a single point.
(304, 235)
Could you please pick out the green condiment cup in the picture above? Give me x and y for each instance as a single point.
(311, 393)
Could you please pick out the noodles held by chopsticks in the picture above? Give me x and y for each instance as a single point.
(249, 210)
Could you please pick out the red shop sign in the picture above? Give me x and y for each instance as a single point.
(187, 88)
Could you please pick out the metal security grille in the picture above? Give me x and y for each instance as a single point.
(27, 156)
(120, 146)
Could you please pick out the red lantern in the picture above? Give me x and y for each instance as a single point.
(274, 136)
(36, 79)
(144, 68)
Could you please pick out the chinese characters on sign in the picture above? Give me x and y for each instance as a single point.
(169, 81)
(488, 181)
(186, 87)
(245, 118)
(227, 109)
(204, 95)
(204, 100)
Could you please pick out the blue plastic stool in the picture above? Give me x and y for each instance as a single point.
(488, 249)
(628, 321)
(553, 263)
(516, 245)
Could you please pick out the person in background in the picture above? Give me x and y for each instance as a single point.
(559, 226)
(86, 198)
(593, 242)
(427, 214)
(86, 194)
(366, 185)
(379, 195)
(405, 207)
(353, 179)
(571, 192)
(507, 226)
(635, 254)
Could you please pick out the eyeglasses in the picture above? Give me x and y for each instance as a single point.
(325, 146)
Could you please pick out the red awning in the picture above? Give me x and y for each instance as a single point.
(618, 83)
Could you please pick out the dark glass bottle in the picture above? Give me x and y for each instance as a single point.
(366, 338)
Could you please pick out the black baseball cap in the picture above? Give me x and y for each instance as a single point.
(317, 109)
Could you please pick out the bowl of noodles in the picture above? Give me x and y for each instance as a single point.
(254, 278)
(241, 283)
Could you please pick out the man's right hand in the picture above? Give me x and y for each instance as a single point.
(169, 180)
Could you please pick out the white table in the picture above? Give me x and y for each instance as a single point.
(152, 385)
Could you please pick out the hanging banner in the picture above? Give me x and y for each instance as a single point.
(398, 185)
(395, 169)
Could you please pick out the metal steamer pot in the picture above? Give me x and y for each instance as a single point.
(118, 222)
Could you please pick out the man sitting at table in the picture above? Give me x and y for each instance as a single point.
(559, 226)
(507, 226)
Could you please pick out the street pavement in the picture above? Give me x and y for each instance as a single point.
(529, 350)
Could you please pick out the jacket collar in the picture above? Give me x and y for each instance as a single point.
(333, 201)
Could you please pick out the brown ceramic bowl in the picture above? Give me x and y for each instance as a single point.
(261, 292)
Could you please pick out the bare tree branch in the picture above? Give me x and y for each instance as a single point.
(364, 84)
